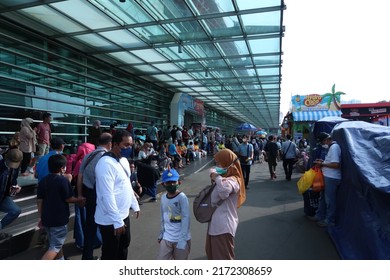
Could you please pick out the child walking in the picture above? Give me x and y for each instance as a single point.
(175, 236)
(53, 195)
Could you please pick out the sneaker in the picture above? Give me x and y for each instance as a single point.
(4, 235)
(322, 224)
(312, 218)
(153, 199)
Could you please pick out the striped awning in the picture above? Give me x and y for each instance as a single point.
(307, 116)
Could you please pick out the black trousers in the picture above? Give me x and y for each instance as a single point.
(288, 165)
(115, 247)
(25, 162)
(246, 170)
(90, 229)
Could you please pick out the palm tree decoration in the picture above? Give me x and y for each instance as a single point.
(335, 97)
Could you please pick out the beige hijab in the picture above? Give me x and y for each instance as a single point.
(227, 158)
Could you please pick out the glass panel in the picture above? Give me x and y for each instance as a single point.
(267, 60)
(84, 13)
(163, 77)
(96, 41)
(262, 23)
(259, 46)
(153, 34)
(246, 5)
(128, 12)
(174, 84)
(167, 9)
(268, 71)
(212, 7)
(223, 27)
(223, 74)
(149, 55)
(167, 67)
(145, 68)
(126, 57)
(233, 48)
(213, 63)
(189, 64)
(187, 30)
(123, 38)
(203, 51)
(53, 18)
(237, 62)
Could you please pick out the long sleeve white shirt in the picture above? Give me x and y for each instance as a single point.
(114, 193)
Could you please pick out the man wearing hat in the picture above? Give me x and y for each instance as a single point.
(9, 187)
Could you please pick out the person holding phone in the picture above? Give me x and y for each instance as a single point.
(9, 187)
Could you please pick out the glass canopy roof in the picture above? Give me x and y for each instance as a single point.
(226, 53)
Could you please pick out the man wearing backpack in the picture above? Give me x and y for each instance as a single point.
(86, 181)
(114, 198)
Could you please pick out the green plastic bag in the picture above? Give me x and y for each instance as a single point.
(305, 182)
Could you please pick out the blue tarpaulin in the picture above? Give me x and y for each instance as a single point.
(362, 228)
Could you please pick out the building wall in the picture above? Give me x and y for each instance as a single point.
(37, 75)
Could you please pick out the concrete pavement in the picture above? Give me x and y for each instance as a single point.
(272, 223)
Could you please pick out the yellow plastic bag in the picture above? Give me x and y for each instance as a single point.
(306, 181)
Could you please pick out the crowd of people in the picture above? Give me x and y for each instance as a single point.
(117, 168)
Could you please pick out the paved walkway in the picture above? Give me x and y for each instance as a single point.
(272, 224)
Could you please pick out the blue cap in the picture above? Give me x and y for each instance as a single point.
(170, 175)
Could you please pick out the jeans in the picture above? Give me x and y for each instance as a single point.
(327, 207)
(151, 191)
(79, 225)
(7, 205)
(92, 236)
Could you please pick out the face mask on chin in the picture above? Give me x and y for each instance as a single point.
(325, 146)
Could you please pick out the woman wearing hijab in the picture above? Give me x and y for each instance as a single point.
(230, 187)
(28, 141)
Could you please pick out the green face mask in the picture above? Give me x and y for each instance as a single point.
(172, 188)
(220, 170)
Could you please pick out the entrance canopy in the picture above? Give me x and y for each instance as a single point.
(307, 116)
(225, 53)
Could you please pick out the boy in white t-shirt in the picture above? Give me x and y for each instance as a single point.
(175, 236)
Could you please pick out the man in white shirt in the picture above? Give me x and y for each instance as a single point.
(331, 168)
(114, 198)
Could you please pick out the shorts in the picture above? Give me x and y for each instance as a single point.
(43, 149)
(56, 237)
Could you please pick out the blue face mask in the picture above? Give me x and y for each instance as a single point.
(220, 170)
(126, 152)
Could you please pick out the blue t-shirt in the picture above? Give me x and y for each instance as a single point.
(43, 165)
(54, 190)
(246, 151)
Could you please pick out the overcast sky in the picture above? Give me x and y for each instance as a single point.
(342, 42)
